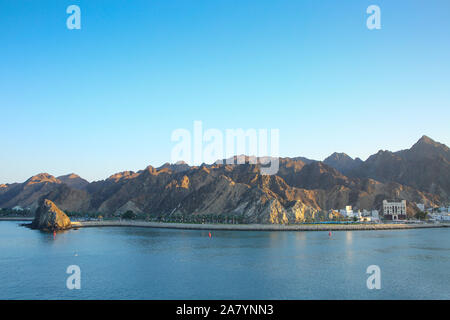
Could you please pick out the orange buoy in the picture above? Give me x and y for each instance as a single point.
(209, 234)
(329, 234)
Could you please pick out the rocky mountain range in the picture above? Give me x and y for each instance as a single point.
(302, 189)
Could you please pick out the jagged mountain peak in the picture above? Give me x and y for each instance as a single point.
(155, 171)
(179, 166)
(73, 180)
(426, 139)
(342, 162)
(121, 175)
(152, 171)
(303, 159)
(427, 145)
(381, 154)
(425, 166)
(42, 177)
(339, 156)
(69, 176)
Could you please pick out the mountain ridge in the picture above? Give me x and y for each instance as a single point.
(301, 189)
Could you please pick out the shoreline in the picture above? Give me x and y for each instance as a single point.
(243, 227)
(254, 227)
(16, 219)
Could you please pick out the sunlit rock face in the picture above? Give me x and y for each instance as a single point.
(50, 218)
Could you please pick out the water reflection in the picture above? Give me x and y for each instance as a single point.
(348, 238)
(349, 246)
(186, 264)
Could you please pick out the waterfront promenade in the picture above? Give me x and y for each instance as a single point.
(245, 227)
(16, 219)
(255, 227)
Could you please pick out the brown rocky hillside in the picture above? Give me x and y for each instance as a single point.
(303, 189)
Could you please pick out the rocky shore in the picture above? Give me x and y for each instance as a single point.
(255, 227)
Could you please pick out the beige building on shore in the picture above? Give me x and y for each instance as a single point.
(394, 210)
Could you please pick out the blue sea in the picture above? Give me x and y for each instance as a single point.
(145, 263)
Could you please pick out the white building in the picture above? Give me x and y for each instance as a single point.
(366, 213)
(375, 215)
(441, 217)
(443, 210)
(347, 212)
(421, 206)
(394, 210)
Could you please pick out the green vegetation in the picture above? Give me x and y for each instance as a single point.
(198, 218)
(6, 212)
(421, 215)
(319, 217)
(129, 215)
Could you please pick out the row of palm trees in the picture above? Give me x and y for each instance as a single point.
(5, 212)
(199, 218)
(176, 218)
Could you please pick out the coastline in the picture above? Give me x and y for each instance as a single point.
(254, 227)
(242, 227)
(16, 219)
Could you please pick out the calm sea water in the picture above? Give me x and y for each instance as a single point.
(140, 263)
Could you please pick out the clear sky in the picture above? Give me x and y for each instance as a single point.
(106, 98)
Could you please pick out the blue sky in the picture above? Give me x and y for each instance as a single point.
(106, 98)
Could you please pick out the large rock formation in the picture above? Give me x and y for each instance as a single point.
(50, 218)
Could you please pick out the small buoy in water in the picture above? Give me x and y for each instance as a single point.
(210, 234)
(329, 234)
(54, 234)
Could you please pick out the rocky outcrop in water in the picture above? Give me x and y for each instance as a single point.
(50, 218)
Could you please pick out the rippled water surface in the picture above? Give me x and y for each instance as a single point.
(143, 263)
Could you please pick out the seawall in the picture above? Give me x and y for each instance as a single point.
(16, 219)
(255, 227)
